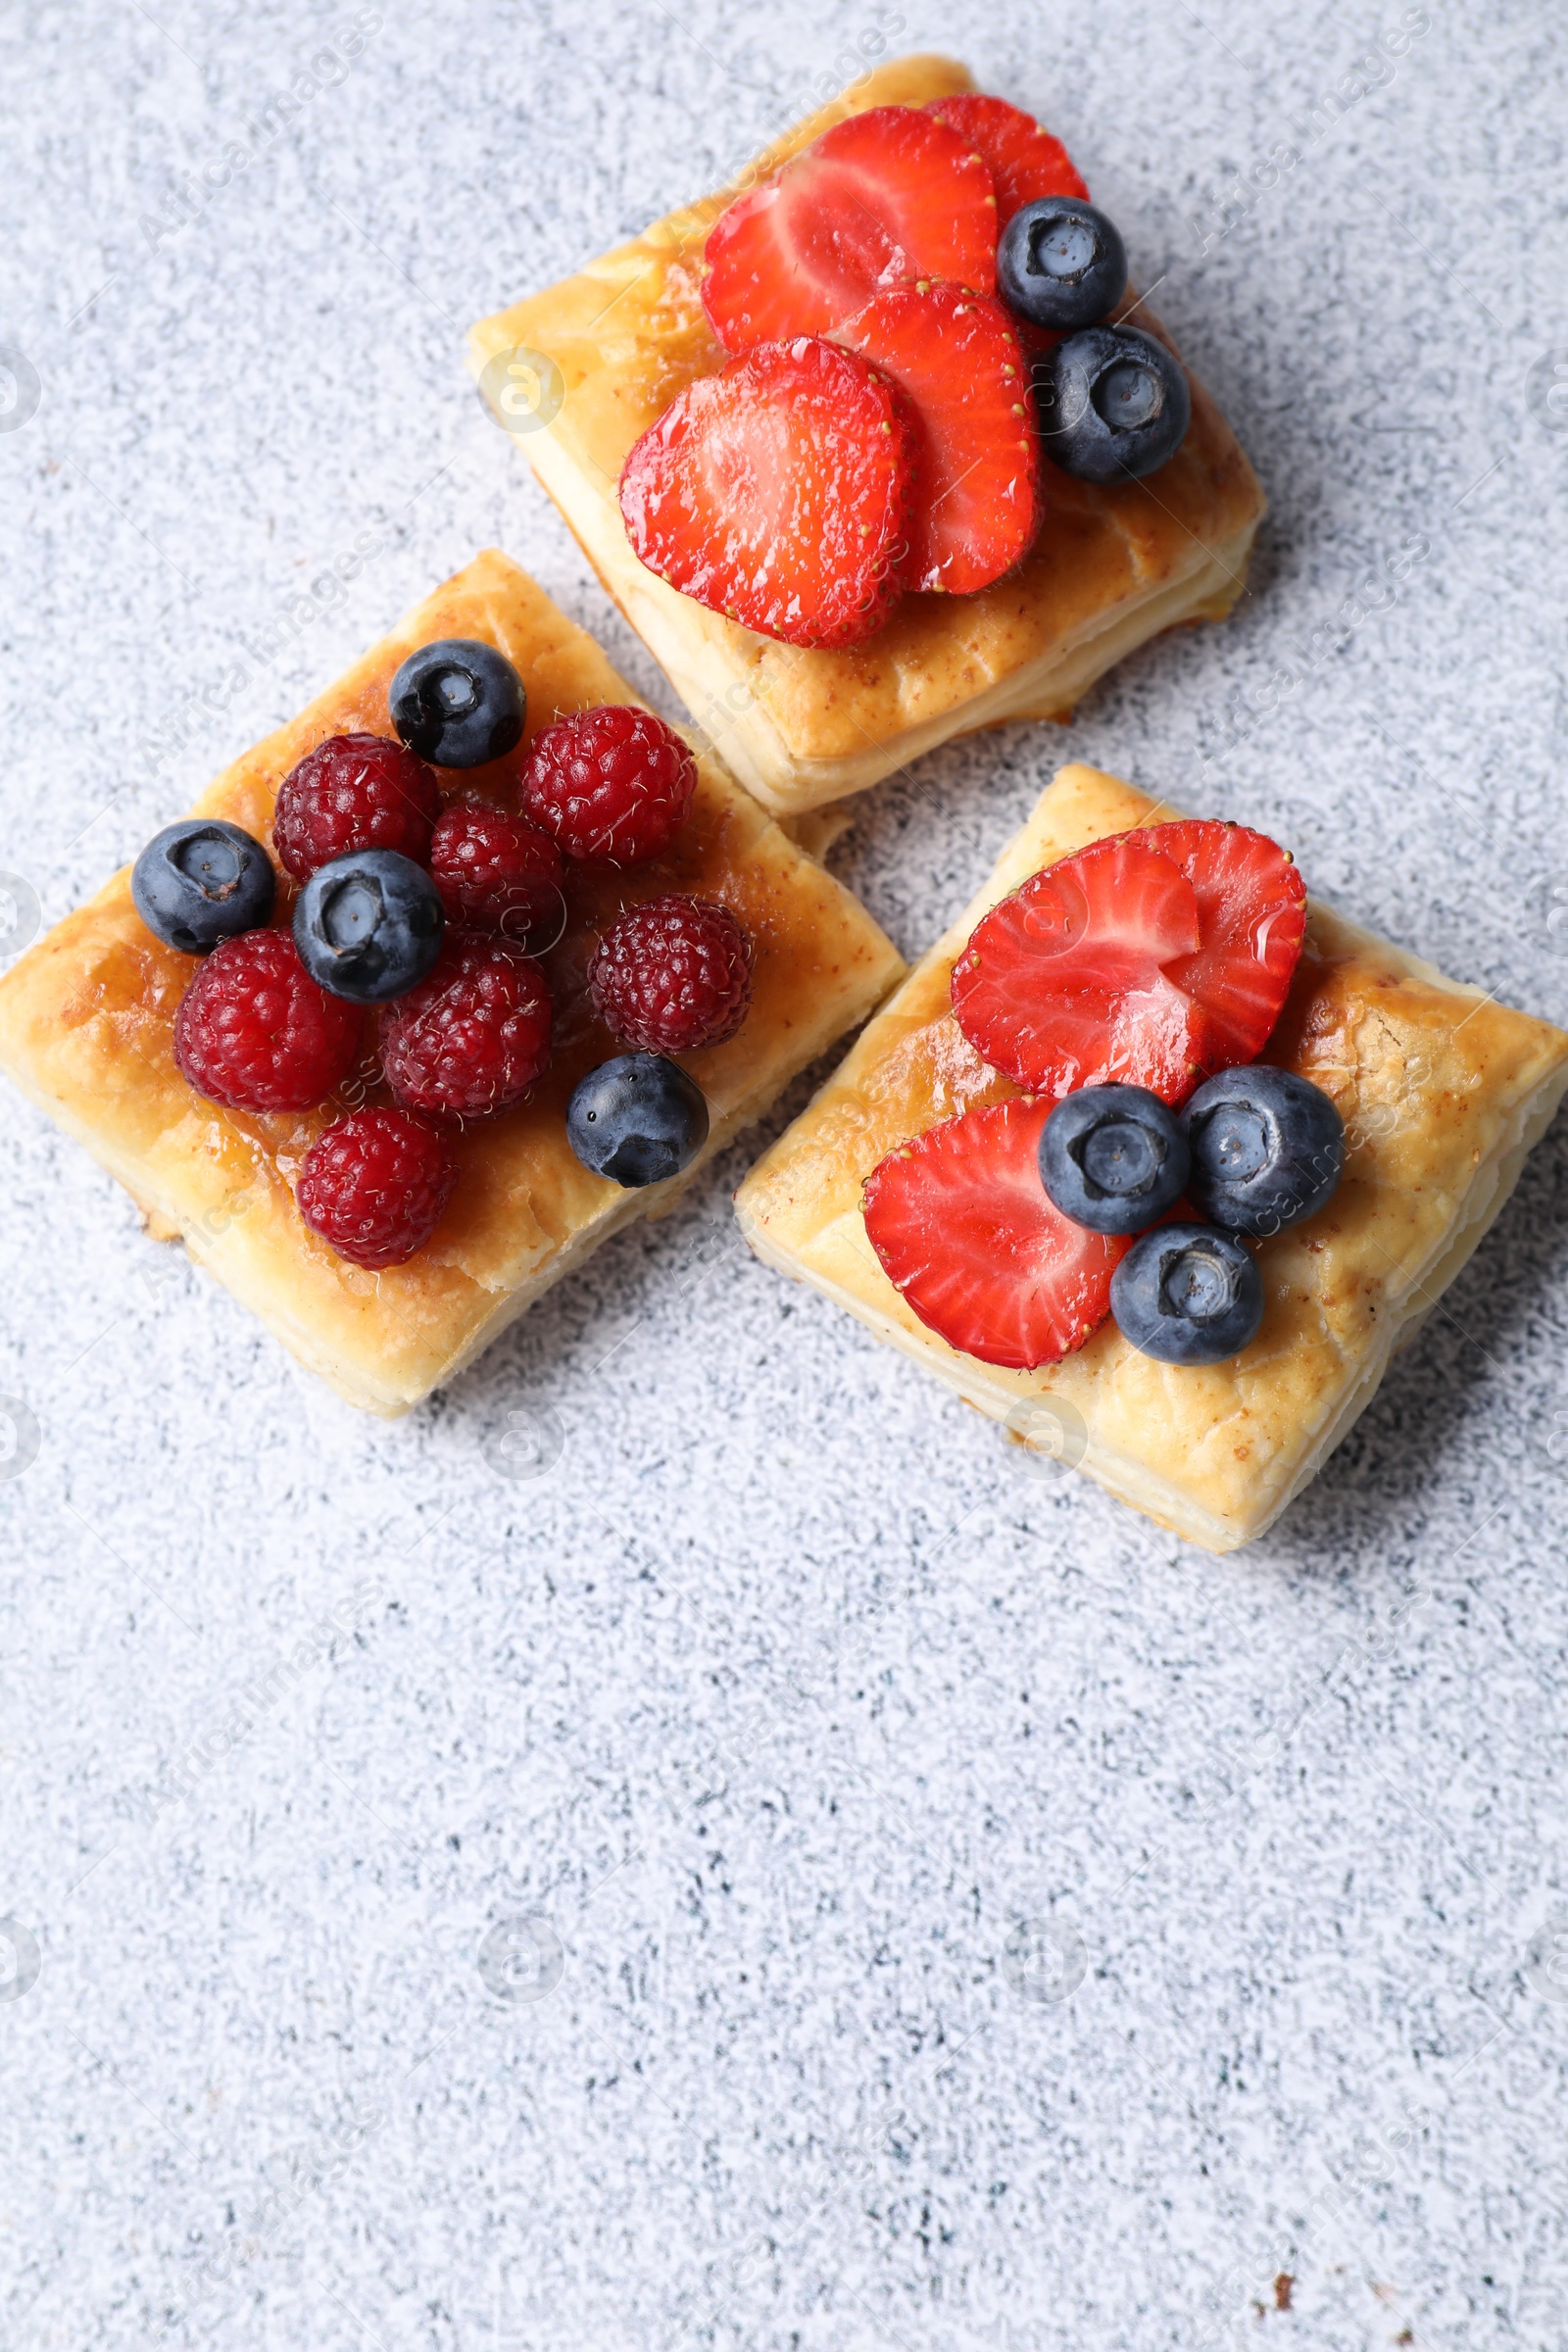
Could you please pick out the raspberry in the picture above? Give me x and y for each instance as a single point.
(613, 784)
(473, 1036)
(355, 792)
(495, 869)
(672, 975)
(253, 1032)
(376, 1186)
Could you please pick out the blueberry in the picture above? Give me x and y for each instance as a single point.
(1188, 1294)
(458, 702)
(1114, 404)
(638, 1118)
(201, 881)
(1060, 262)
(369, 926)
(1267, 1147)
(1114, 1157)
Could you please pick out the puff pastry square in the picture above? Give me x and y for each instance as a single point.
(1442, 1094)
(602, 355)
(87, 1021)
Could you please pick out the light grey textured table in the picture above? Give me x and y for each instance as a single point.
(961, 1916)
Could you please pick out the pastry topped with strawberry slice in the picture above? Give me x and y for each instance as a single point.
(1156, 1162)
(1134, 969)
(880, 238)
(838, 575)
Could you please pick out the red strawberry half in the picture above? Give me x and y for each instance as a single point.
(957, 357)
(1251, 920)
(963, 1227)
(892, 193)
(1154, 957)
(1024, 161)
(776, 492)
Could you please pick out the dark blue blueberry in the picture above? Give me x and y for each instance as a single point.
(201, 881)
(1267, 1147)
(458, 702)
(369, 926)
(1188, 1294)
(638, 1118)
(1113, 405)
(1060, 262)
(1114, 1157)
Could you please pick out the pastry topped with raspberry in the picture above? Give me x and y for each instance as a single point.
(882, 444)
(433, 932)
(365, 1029)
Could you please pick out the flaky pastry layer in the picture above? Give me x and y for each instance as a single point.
(1443, 1092)
(599, 358)
(87, 1021)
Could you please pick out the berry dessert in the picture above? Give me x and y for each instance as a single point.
(858, 444)
(364, 1077)
(1108, 985)
(1152, 1153)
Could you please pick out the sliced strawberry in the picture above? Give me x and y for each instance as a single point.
(777, 492)
(963, 1227)
(889, 194)
(1063, 985)
(1252, 918)
(1024, 161)
(957, 357)
(1154, 957)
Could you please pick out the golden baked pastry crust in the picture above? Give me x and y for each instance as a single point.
(1111, 568)
(87, 1021)
(1442, 1092)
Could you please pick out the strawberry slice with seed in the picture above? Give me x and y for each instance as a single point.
(1251, 920)
(957, 357)
(963, 1227)
(776, 492)
(1024, 161)
(889, 194)
(1154, 957)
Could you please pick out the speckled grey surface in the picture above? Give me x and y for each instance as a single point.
(963, 1917)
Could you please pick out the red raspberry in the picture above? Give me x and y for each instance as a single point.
(376, 1186)
(613, 784)
(255, 1032)
(355, 792)
(672, 975)
(474, 1034)
(494, 869)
